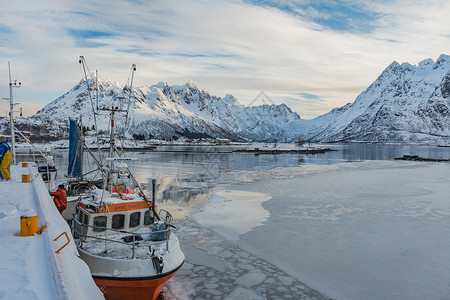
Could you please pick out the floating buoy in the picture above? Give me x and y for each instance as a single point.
(26, 178)
(28, 225)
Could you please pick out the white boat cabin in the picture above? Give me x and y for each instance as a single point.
(120, 215)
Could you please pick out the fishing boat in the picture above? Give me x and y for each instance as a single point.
(130, 248)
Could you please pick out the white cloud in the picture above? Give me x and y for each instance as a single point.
(224, 46)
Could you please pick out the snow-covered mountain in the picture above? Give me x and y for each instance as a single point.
(168, 112)
(406, 104)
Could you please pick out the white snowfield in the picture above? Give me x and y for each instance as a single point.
(361, 230)
(30, 268)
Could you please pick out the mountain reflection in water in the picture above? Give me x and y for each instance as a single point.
(184, 173)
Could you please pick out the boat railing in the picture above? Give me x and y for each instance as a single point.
(135, 243)
(41, 157)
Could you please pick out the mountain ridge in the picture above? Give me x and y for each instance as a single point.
(396, 108)
(162, 111)
(405, 104)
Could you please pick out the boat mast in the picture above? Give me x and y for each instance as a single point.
(111, 150)
(112, 143)
(133, 69)
(11, 113)
(82, 61)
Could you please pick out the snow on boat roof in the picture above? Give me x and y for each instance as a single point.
(127, 202)
(111, 198)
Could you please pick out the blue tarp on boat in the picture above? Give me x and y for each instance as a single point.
(75, 150)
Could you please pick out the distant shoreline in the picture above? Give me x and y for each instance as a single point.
(276, 151)
(418, 158)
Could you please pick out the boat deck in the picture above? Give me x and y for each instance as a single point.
(117, 248)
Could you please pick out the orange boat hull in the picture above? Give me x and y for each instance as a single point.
(132, 288)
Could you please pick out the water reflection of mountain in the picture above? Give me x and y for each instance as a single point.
(184, 191)
(184, 174)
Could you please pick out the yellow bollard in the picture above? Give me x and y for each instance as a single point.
(28, 225)
(24, 165)
(26, 178)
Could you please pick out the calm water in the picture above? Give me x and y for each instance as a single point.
(184, 172)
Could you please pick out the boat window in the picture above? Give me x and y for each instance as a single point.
(100, 223)
(148, 217)
(80, 216)
(135, 219)
(118, 221)
(85, 219)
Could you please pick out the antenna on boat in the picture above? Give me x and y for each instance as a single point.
(11, 112)
(96, 87)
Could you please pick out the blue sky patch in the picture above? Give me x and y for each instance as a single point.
(86, 38)
(89, 44)
(5, 33)
(87, 34)
(138, 51)
(202, 55)
(82, 13)
(5, 29)
(309, 96)
(336, 15)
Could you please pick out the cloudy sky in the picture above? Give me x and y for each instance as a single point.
(312, 55)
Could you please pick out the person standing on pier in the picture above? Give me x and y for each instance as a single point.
(60, 198)
(5, 159)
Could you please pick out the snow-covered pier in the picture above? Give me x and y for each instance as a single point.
(30, 267)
